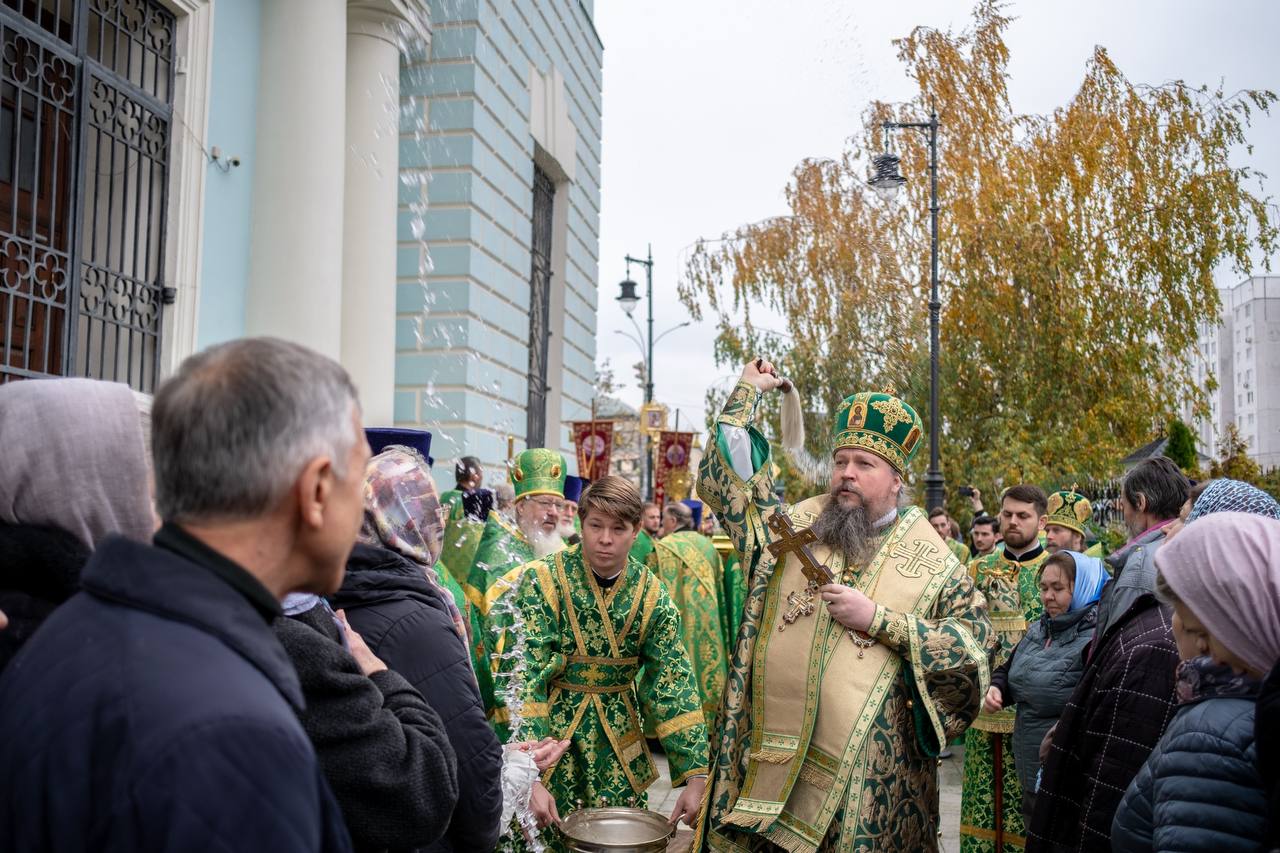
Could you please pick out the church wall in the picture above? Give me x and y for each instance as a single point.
(233, 98)
(467, 150)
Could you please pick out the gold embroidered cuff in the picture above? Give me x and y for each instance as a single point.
(894, 630)
(679, 723)
(877, 622)
(684, 777)
(531, 710)
(740, 406)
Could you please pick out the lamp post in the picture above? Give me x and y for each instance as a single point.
(886, 181)
(628, 299)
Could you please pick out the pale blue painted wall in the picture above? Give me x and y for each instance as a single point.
(233, 109)
(462, 341)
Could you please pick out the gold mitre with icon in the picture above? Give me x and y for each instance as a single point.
(538, 471)
(1070, 509)
(880, 423)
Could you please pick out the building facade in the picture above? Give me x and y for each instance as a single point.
(1243, 352)
(412, 189)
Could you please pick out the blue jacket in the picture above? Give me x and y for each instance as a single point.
(154, 711)
(1200, 789)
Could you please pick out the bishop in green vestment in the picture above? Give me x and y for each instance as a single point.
(689, 567)
(991, 800)
(538, 476)
(593, 619)
(841, 695)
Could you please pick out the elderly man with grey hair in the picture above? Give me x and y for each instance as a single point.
(156, 710)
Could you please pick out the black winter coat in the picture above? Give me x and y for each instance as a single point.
(405, 622)
(1199, 791)
(1113, 720)
(39, 569)
(384, 751)
(156, 711)
(1267, 733)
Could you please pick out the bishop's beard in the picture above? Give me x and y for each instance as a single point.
(545, 543)
(847, 531)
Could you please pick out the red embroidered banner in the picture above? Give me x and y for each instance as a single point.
(673, 457)
(594, 442)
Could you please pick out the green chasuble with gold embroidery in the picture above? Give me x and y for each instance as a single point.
(733, 587)
(642, 548)
(991, 800)
(583, 648)
(690, 568)
(500, 555)
(822, 744)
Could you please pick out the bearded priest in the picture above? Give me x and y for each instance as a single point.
(863, 648)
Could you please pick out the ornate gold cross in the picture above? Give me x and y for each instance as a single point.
(800, 604)
(789, 541)
(919, 556)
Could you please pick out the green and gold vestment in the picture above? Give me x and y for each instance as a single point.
(642, 548)
(733, 595)
(690, 568)
(1012, 590)
(821, 745)
(500, 555)
(584, 646)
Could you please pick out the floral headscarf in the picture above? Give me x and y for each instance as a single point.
(1233, 496)
(402, 513)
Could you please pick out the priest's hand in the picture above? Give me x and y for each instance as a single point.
(690, 801)
(543, 806)
(994, 701)
(545, 752)
(848, 606)
(762, 375)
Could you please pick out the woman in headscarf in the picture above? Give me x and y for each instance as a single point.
(1200, 788)
(1045, 667)
(392, 597)
(73, 470)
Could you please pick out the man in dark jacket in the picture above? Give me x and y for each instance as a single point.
(383, 749)
(156, 710)
(406, 623)
(1114, 718)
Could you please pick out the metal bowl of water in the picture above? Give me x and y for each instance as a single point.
(616, 830)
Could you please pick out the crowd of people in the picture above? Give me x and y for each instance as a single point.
(233, 618)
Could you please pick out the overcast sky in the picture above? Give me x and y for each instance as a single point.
(709, 105)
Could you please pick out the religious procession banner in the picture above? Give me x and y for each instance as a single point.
(594, 442)
(673, 458)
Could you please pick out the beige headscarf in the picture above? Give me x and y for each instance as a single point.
(72, 456)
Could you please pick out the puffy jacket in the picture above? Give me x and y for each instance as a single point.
(1200, 789)
(1039, 678)
(1266, 728)
(1134, 570)
(405, 622)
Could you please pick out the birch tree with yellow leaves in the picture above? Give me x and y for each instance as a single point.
(1077, 253)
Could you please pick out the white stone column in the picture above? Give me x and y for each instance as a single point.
(370, 204)
(295, 266)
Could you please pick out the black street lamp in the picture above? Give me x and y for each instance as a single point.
(886, 181)
(628, 299)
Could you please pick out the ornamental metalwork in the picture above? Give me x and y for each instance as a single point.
(86, 90)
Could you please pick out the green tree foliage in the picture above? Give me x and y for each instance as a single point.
(1077, 252)
(1182, 446)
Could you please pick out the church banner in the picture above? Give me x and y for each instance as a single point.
(594, 442)
(673, 459)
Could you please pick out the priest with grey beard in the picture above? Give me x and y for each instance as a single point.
(863, 648)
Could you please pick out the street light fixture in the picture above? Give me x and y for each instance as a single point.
(886, 181)
(629, 299)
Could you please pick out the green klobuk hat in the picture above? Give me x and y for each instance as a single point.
(1070, 509)
(880, 423)
(538, 472)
